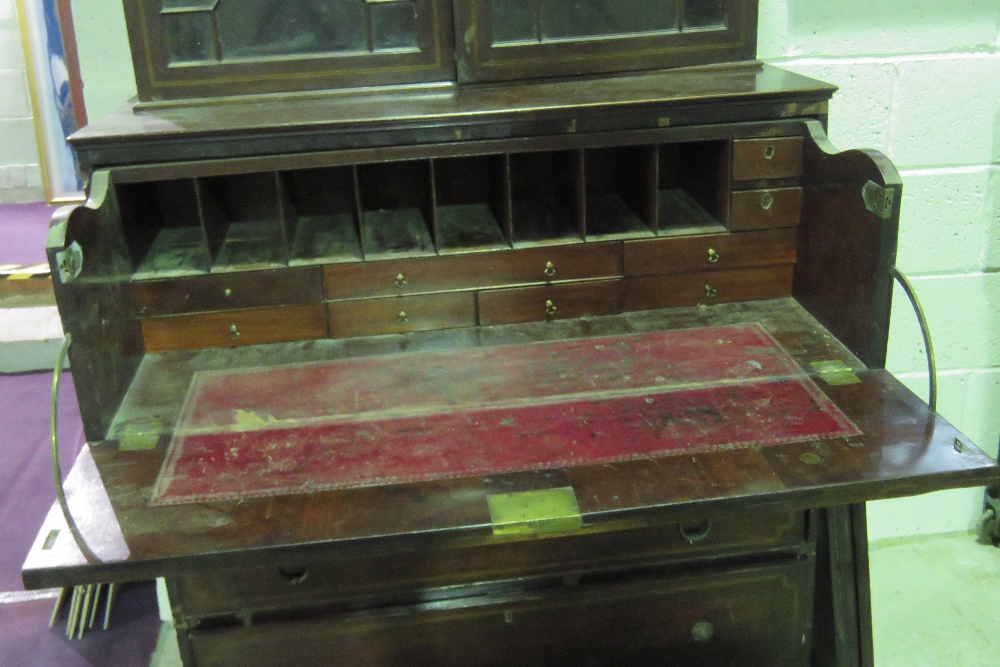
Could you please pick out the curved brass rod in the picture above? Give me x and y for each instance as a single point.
(925, 332)
(56, 470)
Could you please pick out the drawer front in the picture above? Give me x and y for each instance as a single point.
(709, 287)
(710, 252)
(767, 158)
(472, 270)
(225, 291)
(232, 328)
(757, 616)
(553, 302)
(389, 315)
(378, 576)
(765, 209)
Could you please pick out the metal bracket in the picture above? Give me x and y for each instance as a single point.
(835, 372)
(878, 200)
(531, 512)
(69, 262)
(988, 526)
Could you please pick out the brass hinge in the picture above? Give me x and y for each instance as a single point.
(530, 512)
(835, 372)
(878, 200)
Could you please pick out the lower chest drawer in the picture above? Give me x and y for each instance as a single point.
(235, 327)
(753, 616)
(708, 287)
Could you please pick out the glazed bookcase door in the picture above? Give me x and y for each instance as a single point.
(208, 48)
(501, 40)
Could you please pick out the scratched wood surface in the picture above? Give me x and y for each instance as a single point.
(905, 449)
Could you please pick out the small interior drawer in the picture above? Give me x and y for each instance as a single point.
(253, 289)
(765, 209)
(236, 327)
(388, 315)
(767, 158)
(541, 302)
(707, 287)
(472, 270)
(754, 616)
(709, 252)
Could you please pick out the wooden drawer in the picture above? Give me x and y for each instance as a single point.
(767, 158)
(303, 584)
(232, 328)
(541, 302)
(710, 252)
(765, 209)
(757, 616)
(226, 291)
(422, 312)
(708, 287)
(472, 270)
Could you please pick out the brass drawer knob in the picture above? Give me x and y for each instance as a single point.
(550, 269)
(400, 280)
(713, 256)
(234, 332)
(228, 292)
(402, 318)
(702, 631)
(550, 308)
(766, 201)
(710, 291)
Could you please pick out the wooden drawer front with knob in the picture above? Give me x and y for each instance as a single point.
(250, 289)
(755, 616)
(422, 312)
(472, 270)
(709, 252)
(708, 287)
(765, 209)
(236, 327)
(541, 302)
(767, 158)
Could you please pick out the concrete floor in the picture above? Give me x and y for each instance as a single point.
(936, 602)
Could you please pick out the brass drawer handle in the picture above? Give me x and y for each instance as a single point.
(234, 332)
(710, 291)
(550, 269)
(766, 201)
(702, 631)
(550, 308)
(769, 152)
(400, 280)
(695, 532)
(713, 256)
(402, 318)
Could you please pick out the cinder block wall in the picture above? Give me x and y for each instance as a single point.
(920, 81)
(20, 177)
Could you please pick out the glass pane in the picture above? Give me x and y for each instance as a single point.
(189, 37)
(563, 19)
(258, 28)
(393, 25)
(704, 14)
(515, 21)
(189, 4)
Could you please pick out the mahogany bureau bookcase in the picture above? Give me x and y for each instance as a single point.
(472, 332)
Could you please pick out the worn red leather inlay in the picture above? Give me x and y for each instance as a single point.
(422, 416)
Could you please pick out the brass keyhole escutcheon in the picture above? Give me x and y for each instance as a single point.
(550, 269)
(713, 256)
(234, 332)
(766, 201)
(400, 280)
(769, 152)
(402, 318)
(550, 308)
(710, 291)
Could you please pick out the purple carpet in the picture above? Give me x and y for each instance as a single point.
(22, 232)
